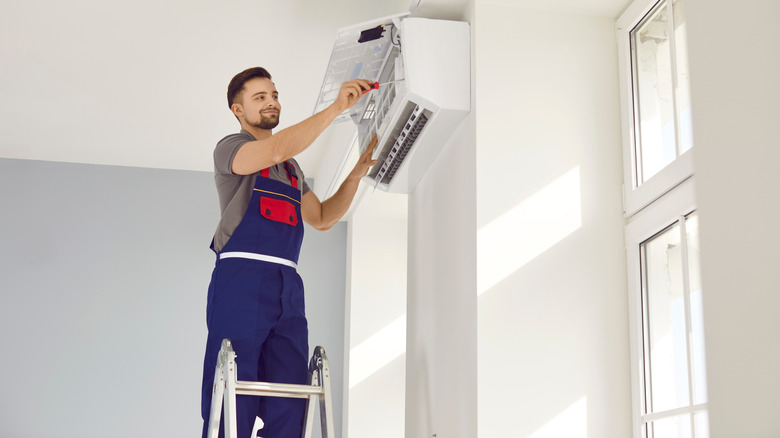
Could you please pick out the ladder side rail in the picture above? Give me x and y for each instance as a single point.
(308, 415)
(231, 424)
(326, 410)
(217, 394)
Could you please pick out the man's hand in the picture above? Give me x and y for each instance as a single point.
(365, 162)
(322, 215)
(350, 93)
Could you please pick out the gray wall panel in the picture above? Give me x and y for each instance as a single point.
(103, 278)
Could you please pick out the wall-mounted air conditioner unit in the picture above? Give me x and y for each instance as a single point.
(423, 68)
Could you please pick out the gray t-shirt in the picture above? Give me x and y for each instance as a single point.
(235, 190)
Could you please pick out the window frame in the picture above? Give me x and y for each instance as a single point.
(656, 218)
(650, 207)
(636, 197)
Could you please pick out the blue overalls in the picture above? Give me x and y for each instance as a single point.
(255, 299)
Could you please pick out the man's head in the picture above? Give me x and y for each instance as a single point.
(253, 98)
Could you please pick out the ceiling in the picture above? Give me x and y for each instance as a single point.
(143, 83)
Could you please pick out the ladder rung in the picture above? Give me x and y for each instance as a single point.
(277, 389)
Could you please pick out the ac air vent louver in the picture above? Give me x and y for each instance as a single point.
(403, 143)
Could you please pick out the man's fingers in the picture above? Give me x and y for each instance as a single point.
(361, 84)
(352, 91)
(373, 142)
(371, 147)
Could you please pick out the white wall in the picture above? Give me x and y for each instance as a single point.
(734, 70)
(441, 358)
(157, 72)
(532, 259)
(377, 316)
(104, 277)
(552, 331)
(546, 291)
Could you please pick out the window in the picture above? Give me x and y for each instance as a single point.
(667, 335)
(665, 293)
(656, 100)
(673, 336)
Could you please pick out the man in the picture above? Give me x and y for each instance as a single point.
(255, 298)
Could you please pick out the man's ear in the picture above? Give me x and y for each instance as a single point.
(237, 109)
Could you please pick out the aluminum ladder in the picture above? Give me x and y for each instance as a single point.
(226, 387)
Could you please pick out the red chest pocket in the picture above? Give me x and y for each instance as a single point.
(278, 211)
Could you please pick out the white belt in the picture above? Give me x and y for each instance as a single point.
(261, 257)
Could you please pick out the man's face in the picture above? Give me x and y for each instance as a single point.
(260, 103)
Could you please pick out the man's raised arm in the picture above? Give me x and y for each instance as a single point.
(257, 155)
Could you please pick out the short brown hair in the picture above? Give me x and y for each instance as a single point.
(238, 81)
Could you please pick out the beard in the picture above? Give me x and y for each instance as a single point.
(266, 122)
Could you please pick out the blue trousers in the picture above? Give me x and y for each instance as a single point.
(259, 306)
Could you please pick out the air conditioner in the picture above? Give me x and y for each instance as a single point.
(423, 68)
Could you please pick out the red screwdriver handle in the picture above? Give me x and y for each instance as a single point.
(374, 86)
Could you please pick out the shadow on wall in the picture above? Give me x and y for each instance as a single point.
(373, 354)
(533, 339)
(510, 241)
(505, 246)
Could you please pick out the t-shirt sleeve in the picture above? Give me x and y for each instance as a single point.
(226, 151)
(301, 177)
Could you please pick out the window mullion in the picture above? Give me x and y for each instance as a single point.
(636, 119)
(687, 310)
(647, 380)
(673, 63)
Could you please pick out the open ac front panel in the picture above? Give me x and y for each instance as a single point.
(424, 66)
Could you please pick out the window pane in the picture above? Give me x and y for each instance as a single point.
(697, 312)
(652, 65)
(674, 427)
(683, 78)
(702, 424)
(665, 350)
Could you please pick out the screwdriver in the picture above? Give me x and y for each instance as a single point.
(376, 85)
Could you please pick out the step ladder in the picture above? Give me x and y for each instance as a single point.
(226, 387)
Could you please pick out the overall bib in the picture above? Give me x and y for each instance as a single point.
(255, 299)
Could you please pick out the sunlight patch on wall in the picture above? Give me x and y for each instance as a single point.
(571, 423)
(377, 351)
(513, 239)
